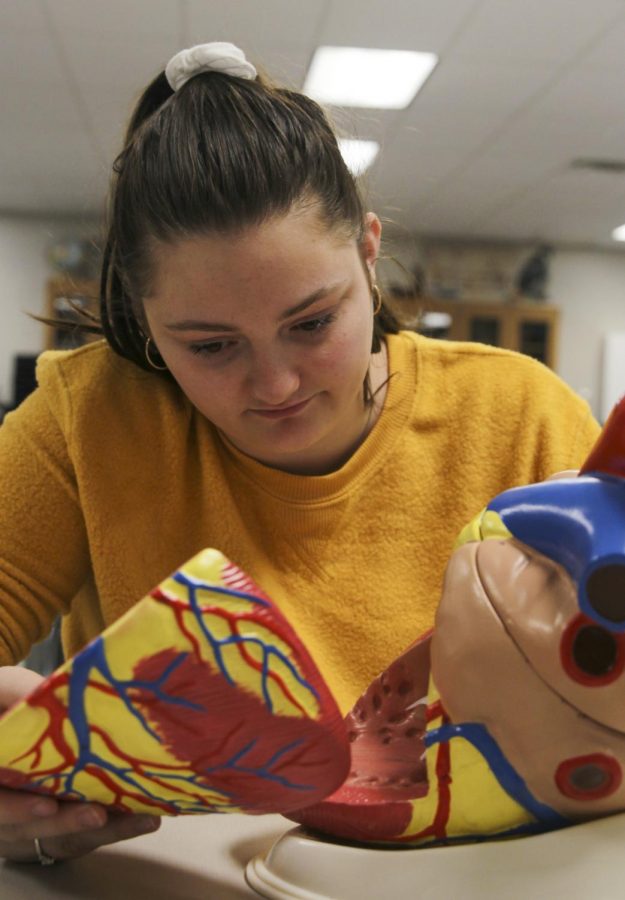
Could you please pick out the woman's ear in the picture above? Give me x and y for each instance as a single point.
(370, 243)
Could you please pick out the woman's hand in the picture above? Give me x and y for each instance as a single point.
(65, 829)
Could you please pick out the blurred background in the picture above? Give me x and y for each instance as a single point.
(500, 184)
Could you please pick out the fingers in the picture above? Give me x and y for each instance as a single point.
(24, 816)
(16, 682)
(19, 808)
(118, 828)
(71, 832)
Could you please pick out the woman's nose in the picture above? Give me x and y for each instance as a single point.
(274, 380)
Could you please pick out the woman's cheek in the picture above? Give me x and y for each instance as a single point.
(333, 359)
(196, 380)
(352, 350)
(349, 343)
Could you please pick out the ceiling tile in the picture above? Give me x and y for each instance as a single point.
(253, 25)
(608, 52)
(532, 30)
(570, 205)
(408, 25)
(134, 65)
(596, 94)
(286, 64)
(29, 57)
(107, 18)
(21, 15)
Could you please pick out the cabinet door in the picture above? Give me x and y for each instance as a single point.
(528, 328)
(485, 329)
(534, 339)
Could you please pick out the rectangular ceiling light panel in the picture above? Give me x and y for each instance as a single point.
(358, 155)
(377, 79)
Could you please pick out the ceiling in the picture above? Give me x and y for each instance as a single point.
(522, 88)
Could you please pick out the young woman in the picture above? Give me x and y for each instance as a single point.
(253, 394)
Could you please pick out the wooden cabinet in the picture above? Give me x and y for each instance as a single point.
(65, 296)
(530, 328)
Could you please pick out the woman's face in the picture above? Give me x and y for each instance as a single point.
(268, 333)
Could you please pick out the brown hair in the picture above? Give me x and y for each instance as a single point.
(218, 155)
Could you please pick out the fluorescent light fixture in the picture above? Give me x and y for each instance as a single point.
(619, 233)
(358, 155)
(378, 79)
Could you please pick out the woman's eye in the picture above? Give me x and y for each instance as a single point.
(316, 325)
(213, 348)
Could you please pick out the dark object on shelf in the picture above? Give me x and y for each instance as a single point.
(532, 279)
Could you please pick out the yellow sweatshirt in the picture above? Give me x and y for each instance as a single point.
(109, 479)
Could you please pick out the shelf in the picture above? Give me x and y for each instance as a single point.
(530, 328)
(65, 296)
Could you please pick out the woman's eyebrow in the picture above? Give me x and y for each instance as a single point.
(312, 298)
(202, 325)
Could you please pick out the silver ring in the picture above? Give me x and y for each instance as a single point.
(42, 856)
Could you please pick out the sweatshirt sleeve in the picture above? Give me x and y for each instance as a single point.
(567, 429)
(44, 555)
(585, 438)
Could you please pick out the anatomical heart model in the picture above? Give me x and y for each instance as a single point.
(200, 699)
(507, 719)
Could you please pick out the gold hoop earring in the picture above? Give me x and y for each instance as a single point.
(377, 296)
(150, 361)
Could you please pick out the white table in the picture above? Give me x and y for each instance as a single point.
(204, 857)
(188, 858)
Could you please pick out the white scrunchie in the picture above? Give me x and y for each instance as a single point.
(215, 57)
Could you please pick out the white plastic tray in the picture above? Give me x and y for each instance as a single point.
(577, 863)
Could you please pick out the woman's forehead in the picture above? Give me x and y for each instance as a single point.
(260, 258)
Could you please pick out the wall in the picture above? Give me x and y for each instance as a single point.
(588, 285)
(24, 270)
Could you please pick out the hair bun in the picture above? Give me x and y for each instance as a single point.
(215, 57)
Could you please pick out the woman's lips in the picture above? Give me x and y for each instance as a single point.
(283, 411)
